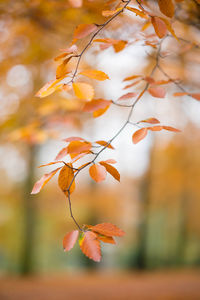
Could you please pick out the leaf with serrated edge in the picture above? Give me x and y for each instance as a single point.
(65, 178)
(70, 240)
(90, 246)
(107, 229)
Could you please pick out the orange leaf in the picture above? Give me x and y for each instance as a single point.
(49, 88)
(195, 96)
(157, 92)
(180, 94)
(62, 153)
(109, 13)
(100, 111)
(97, 172)
(155, 128)
(171, 129)
(106, 239)
(169, 27)
(84, 30)
(112, 170)
(119, 46)
(139, 135)
(83, 91)
(73, 138)
(109, 161)
(151, 121)
(166, 7)
(137, 12)
(95, 74)
(104, 143)
(127, 96)
(41, 183)
(90, 246)
(70, 240)
(107, 229)
(76, 3)
(131, 77)
(65, 178)
(159, 26)
(51, 163)
(78, 147)
(95, 105)
(62, 70)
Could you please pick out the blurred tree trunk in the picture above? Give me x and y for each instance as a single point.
(29, 216)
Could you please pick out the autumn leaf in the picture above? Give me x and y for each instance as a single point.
(95, 105)
(83, 91)
(137, 12)
(73, 138)
(157, 92)
(159, 26)
(155, 128)
(97, 172)
(195, 96)
(95, 74)
(65, 178)
(51, 163)
(111, 170)
(78, 147)
(90, 246)
(41, 183)
(106, 239)
(100, 111)
(169, 28)
(180, 94)
(151, 121)
(84, 30)
(166, 7)
(139, 135)
(110, 161)
(127, 96)
(62, 153)
(62, 70)
(110, 13)
(107, 229)
(169, 128)
(49, 88)
(70, 240)
(76, 3)
(119, 46)
(132, 77)
(104, 143)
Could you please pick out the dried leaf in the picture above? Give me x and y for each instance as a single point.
(106, 239)
(49, 88)
(95, 74)
(100, 111)
(139, 135)
(151, 121)
(65, 178)
(51, 163)
(110, 13)
(132, 77)
(137, 12)
(95, 105)
(70, 240)
(73, 138)
(169, 128)
(97, 172)
(90, 246)
(62, 153)
(166, 7)
(127, 96)
(107, 229)
(109, 161)
(83, 91)
(62, 70)
(119, 46)
(41, 183)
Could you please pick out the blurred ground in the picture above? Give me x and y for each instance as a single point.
(176, 285)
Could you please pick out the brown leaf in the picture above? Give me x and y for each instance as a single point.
(97, 172)
(84, 30)
(166, 7)
(90, 246)
(107, 229)
(41, 183)
(159, 26)
(111, 170)
(70, 240)
(157, 92)
(65, 178)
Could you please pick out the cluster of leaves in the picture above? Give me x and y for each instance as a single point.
(73, 81)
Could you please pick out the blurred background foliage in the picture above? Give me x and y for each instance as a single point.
(158, 208)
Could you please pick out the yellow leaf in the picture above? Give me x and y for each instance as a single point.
(95, 74)
(65, 178)
(83, 91)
